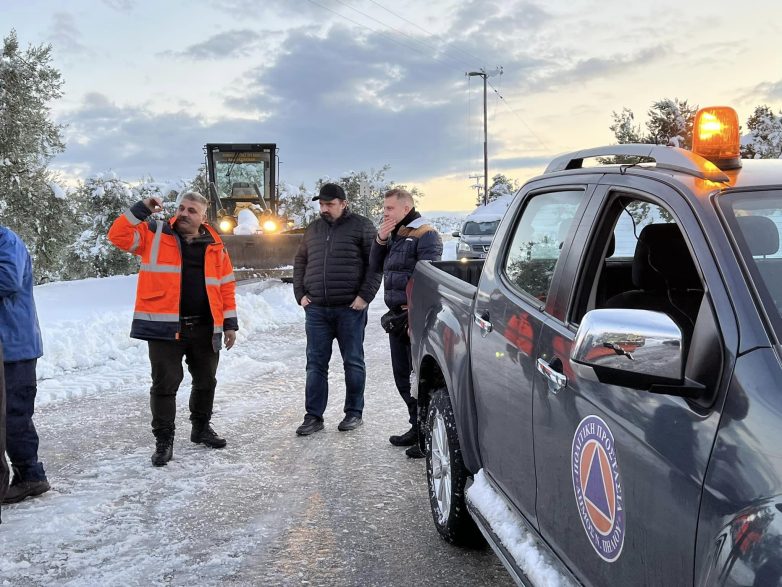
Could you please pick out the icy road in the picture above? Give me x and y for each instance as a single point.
(270, 509)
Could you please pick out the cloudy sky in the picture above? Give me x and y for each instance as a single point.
(345, 85)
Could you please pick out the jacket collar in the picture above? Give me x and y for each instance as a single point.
(411, 217)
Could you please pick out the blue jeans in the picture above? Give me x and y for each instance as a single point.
(21, 442)
(322, 325)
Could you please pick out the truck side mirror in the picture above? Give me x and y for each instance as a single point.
(455, 233)
(632, 348)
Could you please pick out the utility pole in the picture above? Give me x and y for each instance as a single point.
(484, 74)
(476, 186)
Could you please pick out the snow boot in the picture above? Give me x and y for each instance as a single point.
(164, 448)
(203, 433)
(20, 490)
(409, 438)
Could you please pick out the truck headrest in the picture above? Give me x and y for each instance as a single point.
(761, 234)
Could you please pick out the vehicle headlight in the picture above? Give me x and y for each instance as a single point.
(227, 224)
(463, 247)
(269, 226)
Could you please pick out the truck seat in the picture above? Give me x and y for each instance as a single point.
(664, 276)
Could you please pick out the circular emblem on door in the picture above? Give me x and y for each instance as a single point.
(598, 487)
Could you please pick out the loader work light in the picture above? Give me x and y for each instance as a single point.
(269, 226)
(227, 224)
(715, 136)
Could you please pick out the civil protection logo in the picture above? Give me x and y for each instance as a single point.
(598, 487)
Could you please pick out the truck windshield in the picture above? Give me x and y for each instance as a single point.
(475, 228)
(755, 220)
(236, 173)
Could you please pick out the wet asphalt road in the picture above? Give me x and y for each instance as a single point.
(335, 508)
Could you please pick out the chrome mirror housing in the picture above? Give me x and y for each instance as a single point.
(633, 348)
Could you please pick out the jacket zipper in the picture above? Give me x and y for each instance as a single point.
(325, 259)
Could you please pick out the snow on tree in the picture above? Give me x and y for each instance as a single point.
(625, 129)
(669, 123)
(296, 204)
(764, 140)
(102, 198)
(371, 204)
(501, 186)
(29, 204)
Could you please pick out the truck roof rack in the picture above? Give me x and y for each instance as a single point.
(671, 158)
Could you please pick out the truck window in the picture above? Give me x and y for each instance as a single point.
(537, 241)
(639, 259)
(637, 214)
(755, 221)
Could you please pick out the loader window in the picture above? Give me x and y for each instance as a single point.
(236, 173)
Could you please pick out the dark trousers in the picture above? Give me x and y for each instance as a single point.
(3, 462)
(195, 345)
(21, 438)
(322, 325)
(402, 366)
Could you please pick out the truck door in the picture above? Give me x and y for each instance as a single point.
(620, 470)
(509, 311)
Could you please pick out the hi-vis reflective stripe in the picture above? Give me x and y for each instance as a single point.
(222, 281)
(156, 244)
(161, 268)
(153, 266)
(132, 219)
(218, 329)
(156, 317)
(229, 314)
(136, 241)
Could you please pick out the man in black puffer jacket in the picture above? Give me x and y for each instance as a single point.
(403, 239)
(333, 283)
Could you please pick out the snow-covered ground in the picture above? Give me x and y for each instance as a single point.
(271, 508)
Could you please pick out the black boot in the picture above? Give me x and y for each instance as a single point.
(164, 448)
(203, 433)
(409, 438)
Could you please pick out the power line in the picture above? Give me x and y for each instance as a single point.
(380, 32)
(420, 28)
(541, 141)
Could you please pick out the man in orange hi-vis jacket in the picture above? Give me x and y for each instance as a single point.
(185, 306)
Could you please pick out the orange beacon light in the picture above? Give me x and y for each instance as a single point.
(715, 136)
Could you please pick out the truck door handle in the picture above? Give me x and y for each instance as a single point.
(483, 322)
(556, 380)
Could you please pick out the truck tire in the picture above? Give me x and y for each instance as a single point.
(446, 474)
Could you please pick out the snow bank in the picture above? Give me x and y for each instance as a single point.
(86, 325)
(523, 546)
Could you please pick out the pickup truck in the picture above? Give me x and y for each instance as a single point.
(608, 381)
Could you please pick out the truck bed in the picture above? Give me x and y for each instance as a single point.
(466, 271)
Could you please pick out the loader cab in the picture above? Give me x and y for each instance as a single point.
(242, 177)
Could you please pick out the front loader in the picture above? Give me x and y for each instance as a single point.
(243, 208)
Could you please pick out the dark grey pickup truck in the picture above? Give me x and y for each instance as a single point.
(607, 384)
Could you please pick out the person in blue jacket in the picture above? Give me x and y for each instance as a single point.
(403, 238)
(20, 336)
(3, 461)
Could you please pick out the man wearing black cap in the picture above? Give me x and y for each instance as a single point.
(332, 282)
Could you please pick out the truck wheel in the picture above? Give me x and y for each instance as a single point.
(446, 474)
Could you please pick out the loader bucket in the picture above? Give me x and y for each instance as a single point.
(262, 255)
